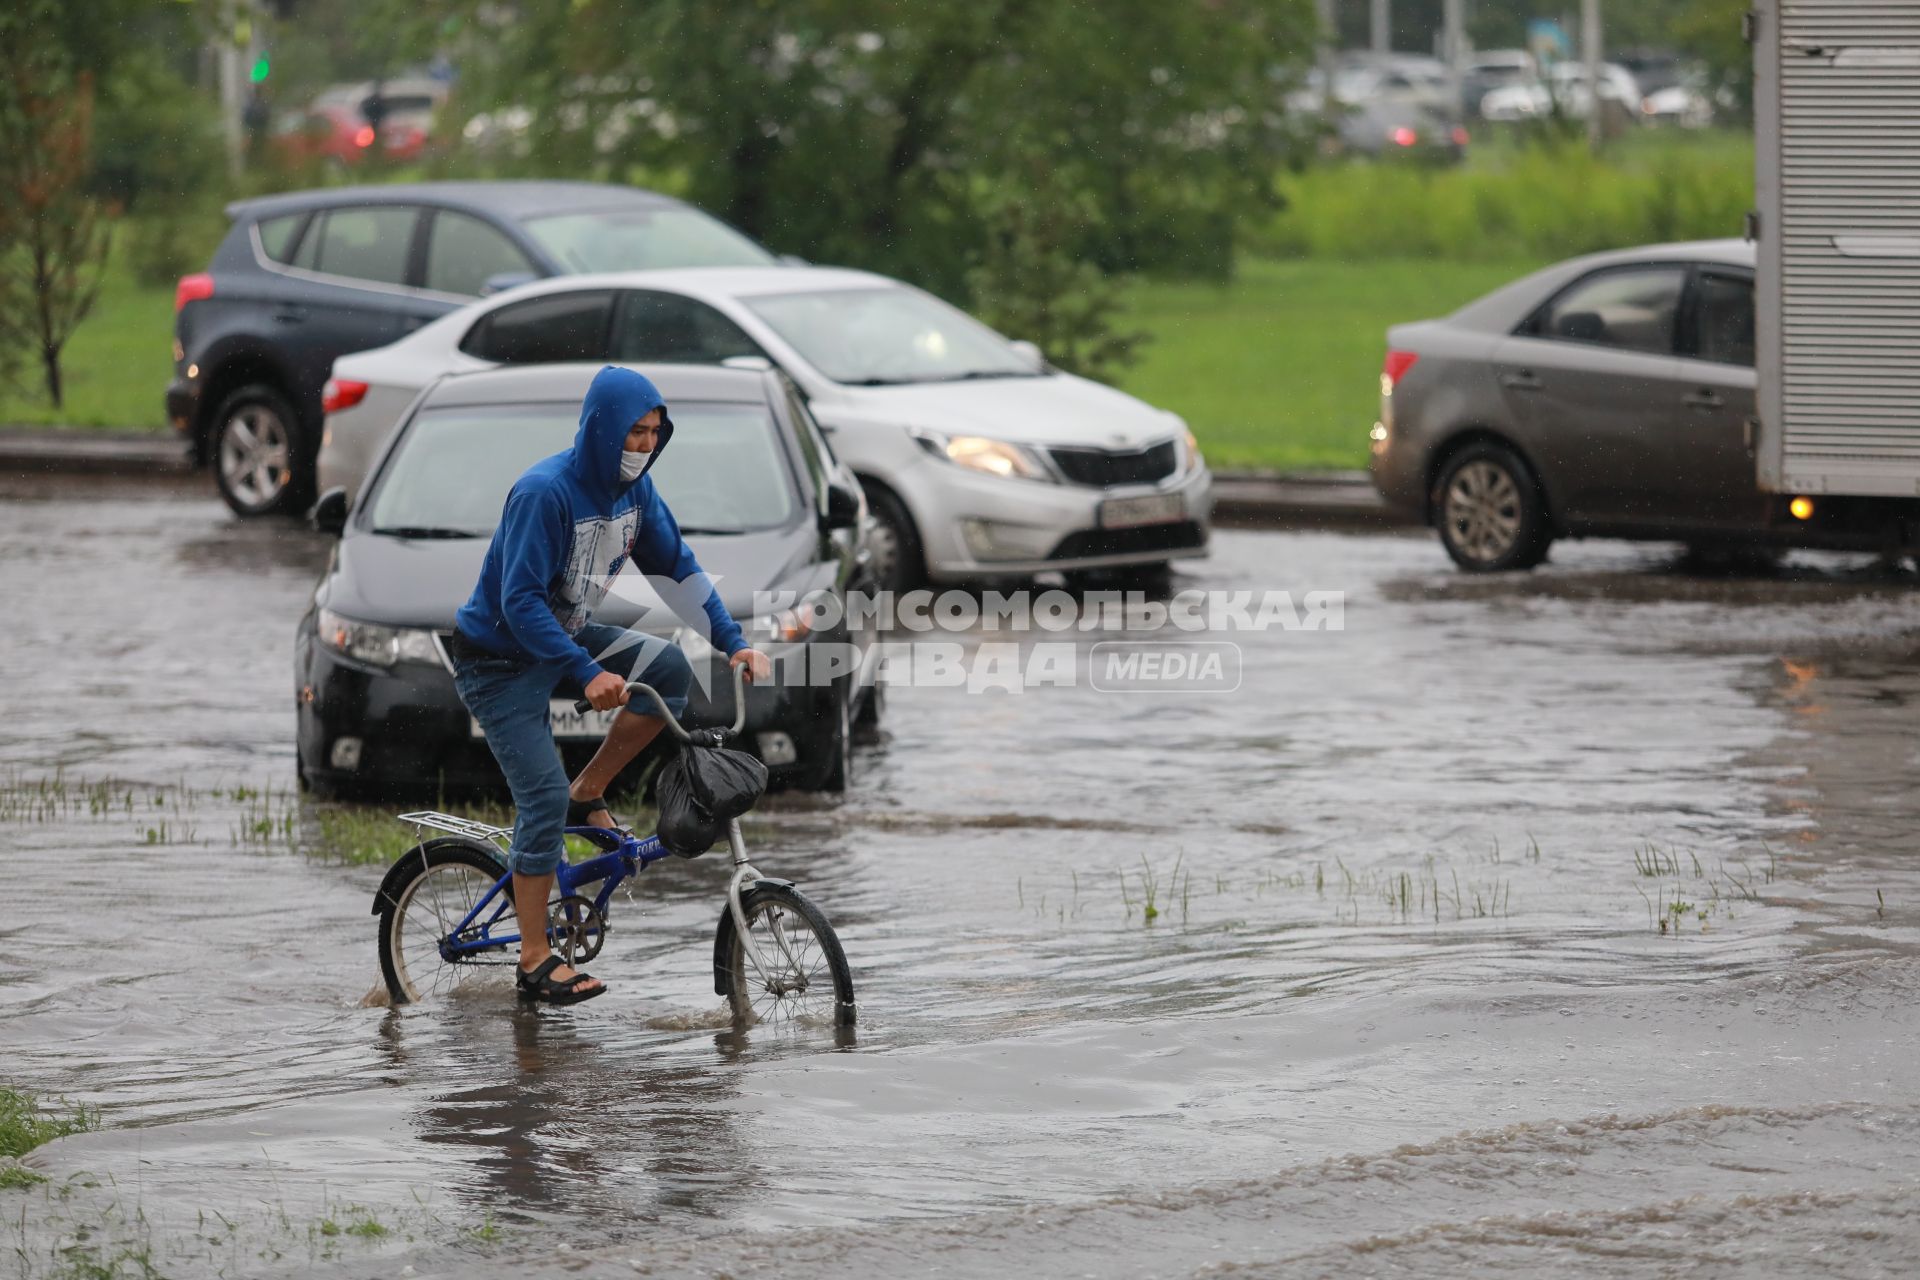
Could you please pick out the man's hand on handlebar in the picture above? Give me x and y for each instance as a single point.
(758, 665)
(607, 691)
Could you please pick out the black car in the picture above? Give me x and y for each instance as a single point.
(308, 276)
(756, 490)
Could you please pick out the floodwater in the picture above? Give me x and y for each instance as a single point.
(1404, 1005)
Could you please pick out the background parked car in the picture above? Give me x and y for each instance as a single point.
(1492, 69)
(754, 486)
(304, 277)
(347, 122)
(979, 460)
(1565, 87)
(1406, 129)
(1610, 395)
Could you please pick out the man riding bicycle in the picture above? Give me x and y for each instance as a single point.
(570, 523)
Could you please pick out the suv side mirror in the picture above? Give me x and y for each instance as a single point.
(1031, 351)
(843, 508)
(330, 513)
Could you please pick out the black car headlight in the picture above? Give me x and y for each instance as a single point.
(370, 642)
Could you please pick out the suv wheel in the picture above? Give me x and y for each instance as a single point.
(256, 451)
(1489, 511)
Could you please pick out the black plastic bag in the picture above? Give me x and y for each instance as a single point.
(700, 790)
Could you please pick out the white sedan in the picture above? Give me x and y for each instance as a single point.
(980, 460)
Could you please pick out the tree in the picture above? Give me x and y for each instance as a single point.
(1028, 283)
(868, 132)
(53, 244)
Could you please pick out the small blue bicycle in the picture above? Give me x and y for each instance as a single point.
(446, 913)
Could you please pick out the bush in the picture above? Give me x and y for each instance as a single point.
(1540, 198)
(169, 242)
(1031, 283)
(157, 140)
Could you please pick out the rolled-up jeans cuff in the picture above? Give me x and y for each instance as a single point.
(534, 864)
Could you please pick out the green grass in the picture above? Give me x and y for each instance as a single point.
(24, 1125)
(115, 368)
(1281, 368)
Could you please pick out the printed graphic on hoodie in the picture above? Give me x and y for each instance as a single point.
(599, 550)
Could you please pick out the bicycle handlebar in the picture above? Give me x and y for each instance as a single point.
(673, 723)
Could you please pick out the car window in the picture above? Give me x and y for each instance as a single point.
(1633, 309)
(642, 238)
(667, 328)
(1723, 318)
(724, 471)
(463, 253)
(890, 334)
(366, 244)
(277, 235)
(544, 330)
(308, 254)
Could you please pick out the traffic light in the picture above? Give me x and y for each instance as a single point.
(262, 68)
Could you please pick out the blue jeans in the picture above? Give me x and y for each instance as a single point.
(510, 699)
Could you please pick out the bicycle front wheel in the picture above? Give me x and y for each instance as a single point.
(802, 978)
(452, 879)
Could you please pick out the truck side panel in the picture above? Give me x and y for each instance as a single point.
(1837, 101)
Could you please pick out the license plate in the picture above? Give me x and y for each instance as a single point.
(569, 725)
(1148, 508)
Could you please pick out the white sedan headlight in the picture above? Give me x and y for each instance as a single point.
(372, 643)
(1192, 442)
(991, 457)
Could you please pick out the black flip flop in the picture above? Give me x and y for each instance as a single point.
(578, 811)
(539, 984)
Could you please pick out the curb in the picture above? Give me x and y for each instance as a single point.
(1303, 500)
(28, 450)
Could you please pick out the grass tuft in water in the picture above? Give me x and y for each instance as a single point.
(25, 1124)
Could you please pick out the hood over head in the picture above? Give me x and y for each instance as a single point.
(617, 399)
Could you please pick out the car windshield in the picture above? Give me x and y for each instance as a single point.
(726, 471)
(643, 239)
(873, 337)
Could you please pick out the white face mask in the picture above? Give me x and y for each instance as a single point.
(631, 465)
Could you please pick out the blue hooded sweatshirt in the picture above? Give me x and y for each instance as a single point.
(568, 527)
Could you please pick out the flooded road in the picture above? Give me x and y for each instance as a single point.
(1524, 922)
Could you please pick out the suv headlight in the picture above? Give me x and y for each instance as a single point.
(372, 643)
(991, 457)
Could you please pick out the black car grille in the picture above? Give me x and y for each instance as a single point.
(1102, 469)
(1181, 535)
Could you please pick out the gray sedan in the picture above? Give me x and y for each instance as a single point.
(1610, 396)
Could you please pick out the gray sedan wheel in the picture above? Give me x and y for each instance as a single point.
(256, 455)
(1488, 509)
(894, 543)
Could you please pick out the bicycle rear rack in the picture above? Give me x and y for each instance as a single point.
(502, 836)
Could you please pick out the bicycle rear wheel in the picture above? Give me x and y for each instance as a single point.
(807, 981)
(451, 880)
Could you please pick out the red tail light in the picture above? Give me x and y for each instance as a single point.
(340, 394)
(191, 289)
(1395, 367)
(1404, 137)
(1460, 135)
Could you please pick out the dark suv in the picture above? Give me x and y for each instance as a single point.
(305, 277)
